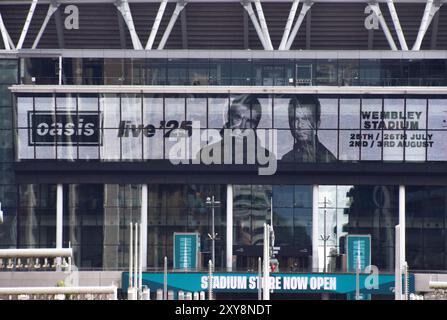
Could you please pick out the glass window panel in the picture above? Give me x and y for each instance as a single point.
(110, 109)
(327, 226)
(266, 106)
(9, 71)
(303, 196)
(113, 71)
(415, 145)
(199, 72)
(88, 153)
(153, 111)
(153, 146)
(44, 104)
(281, 113)
(329, 114)
(283, 196)
(371, 148)
(24, 105)
(326, 150)
(131, 109)
(285, 146)
(175, 145)
(177, 72)
(326, 72)
(197, 111)
(393, 145)
(217, 112)
(25, 151)
(110, 149)
(88, 103)
(131, 147)
(241, 72)
(246, 111)
(67, 152)
(437, 149)
(174, 109)
(349, 113)
(437, 114)
(348, 72)
(66, 103)
(394, 114)
(349, 145)
(416, 113)
(282, 217)
(371, 116)
(156, 72)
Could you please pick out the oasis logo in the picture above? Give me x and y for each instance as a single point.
(64, 128)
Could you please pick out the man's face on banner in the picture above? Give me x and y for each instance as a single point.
(243, 117)
(302, 122)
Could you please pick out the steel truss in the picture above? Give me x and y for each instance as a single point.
(256, 16)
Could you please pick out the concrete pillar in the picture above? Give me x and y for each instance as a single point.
(315, 233)
(229, 249)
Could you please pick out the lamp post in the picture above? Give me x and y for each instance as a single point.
(325, 237)
(213, 203)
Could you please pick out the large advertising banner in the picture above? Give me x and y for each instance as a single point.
(279, 282)
(232, 129)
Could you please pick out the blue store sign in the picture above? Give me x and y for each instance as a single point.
(279, 282)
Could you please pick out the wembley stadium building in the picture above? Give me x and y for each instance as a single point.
(325, 118)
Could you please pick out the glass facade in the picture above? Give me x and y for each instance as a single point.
(237, 72)
(8, 188)
(353, 128)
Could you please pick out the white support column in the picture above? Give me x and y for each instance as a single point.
(430, 10)
(143, 244)
(229, 237)
(266, 264)
(315, 233)
(123, 7)
(178, 8)
(289, 23)
(4, 34)
(376, 9)
(11, 43)
(59, 215)
(263, 23)
(254, 20)
(306, 6)
(402, 224)
(156, 25)
(135, 259)
(397, 266)
(397, 26)
(51, 10)
(29, 17)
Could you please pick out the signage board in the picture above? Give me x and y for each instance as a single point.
(186, 250)
(279, 282)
